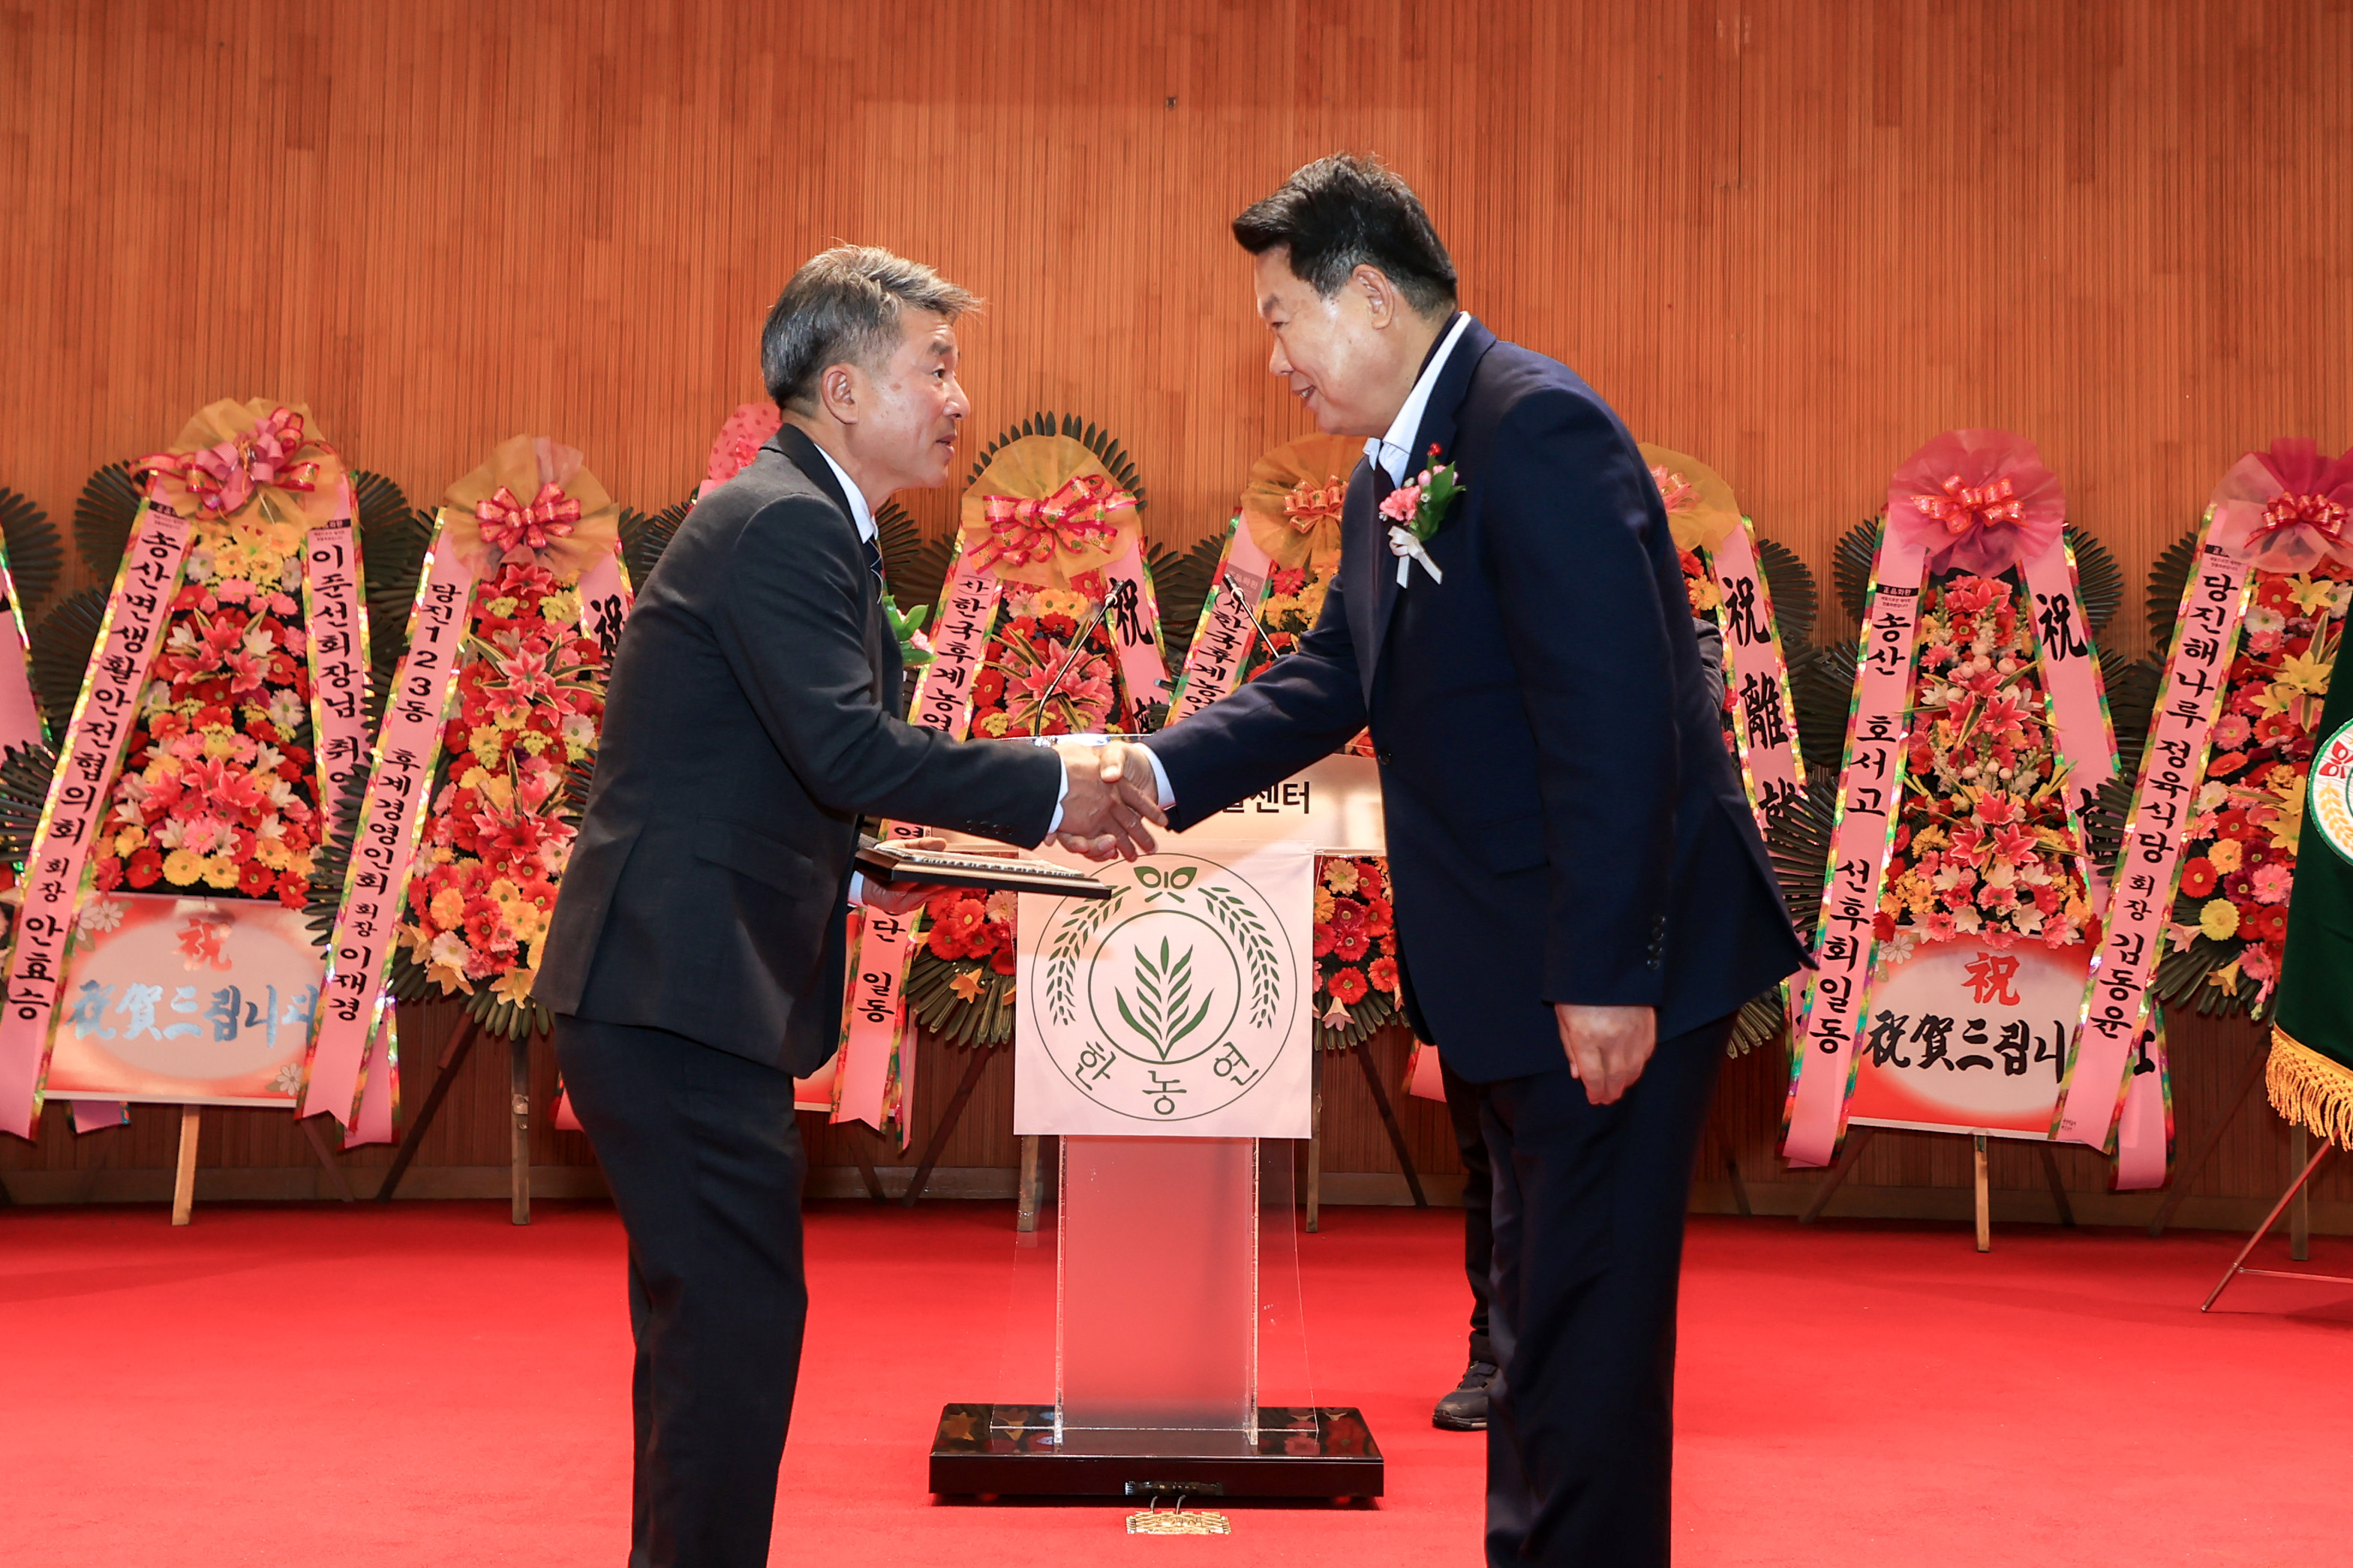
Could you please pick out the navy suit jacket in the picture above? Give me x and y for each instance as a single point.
(753, 717)
(1564, 823)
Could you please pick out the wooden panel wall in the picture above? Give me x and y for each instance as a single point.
(1796, 238)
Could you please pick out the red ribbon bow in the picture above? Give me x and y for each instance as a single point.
(508, 523)
(224, 477)
(2286, 513)
(1965, 511)
(1023, 533)
(1310, 503)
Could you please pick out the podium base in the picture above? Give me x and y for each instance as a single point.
(1012, 1450)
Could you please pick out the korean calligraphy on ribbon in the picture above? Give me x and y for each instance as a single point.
(94, 742)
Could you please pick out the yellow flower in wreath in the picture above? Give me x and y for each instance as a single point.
(220, 872)
(2225, 854)
(2219, 919)
(182, 866)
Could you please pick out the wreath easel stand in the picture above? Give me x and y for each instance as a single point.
(1362, 1051)
(453, 1056)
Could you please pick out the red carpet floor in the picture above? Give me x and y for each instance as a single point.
(428, 1386)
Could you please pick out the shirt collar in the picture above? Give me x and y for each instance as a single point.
(1394, 452)
(859, 512)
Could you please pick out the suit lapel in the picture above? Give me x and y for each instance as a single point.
(794, 445)
(1440, 418)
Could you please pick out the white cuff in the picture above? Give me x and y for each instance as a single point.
(1061, 794)
(1160, 777)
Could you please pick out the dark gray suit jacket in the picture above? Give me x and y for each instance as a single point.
(753, 717)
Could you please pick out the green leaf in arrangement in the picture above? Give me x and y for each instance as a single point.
(1821, 689)
(916, 568)
(24, 773)
(1851, 559)
(34, 552)
(2099, 580)
(1798, 844)
(1180, 582)
(2168, 576)
(60, 655)
(1796, 599)
(1759, 1022)
(645, 536)
(2133, 691)
(103, 514)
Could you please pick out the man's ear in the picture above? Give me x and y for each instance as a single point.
(841, 391)
(1378, 294)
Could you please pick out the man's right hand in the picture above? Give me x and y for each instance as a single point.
(1106, 807)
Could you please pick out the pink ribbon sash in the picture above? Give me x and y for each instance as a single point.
(95, 738)
(1228, 627)
(874, 1013)
(1871, 787)
(359, 954)
(1133, 615)
(336, 629)
(2116, 1001)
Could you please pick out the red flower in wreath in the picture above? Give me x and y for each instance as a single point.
(1347, 987)
(956, 926)
(1383, 973)
(1350, 942)
(2265, 923)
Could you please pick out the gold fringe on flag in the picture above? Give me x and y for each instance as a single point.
(2310, 1090)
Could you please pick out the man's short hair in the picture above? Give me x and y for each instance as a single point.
(1344, 212)
(842, 308)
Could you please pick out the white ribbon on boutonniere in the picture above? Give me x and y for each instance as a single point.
(1416, 512)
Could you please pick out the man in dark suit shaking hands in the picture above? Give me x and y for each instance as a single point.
(696, 956)
(1582, 899)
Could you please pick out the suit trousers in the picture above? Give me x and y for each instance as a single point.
(1462, 1099)
(1589, 1203)
(705, 1164)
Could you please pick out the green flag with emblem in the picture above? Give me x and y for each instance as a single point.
(2311, 1071)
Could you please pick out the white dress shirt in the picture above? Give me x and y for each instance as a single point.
(1394, 452)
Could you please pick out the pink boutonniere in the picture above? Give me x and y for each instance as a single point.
(1417, 511)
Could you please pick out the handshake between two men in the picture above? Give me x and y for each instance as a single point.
(1113, 792)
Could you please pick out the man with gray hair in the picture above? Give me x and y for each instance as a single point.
(695, 961)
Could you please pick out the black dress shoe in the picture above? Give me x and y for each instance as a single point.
(1465, 1409)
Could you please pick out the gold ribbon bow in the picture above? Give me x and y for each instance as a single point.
(233, 455)
(1075, 519)
(1963, 509)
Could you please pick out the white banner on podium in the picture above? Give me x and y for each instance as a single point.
(1178, 1007)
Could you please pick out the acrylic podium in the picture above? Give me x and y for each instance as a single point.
(1158, 1301)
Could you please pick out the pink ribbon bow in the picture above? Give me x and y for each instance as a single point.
(1023, 533)
(1678, 492)
(1976, 501)
(224, 477)
(2286, 508)
(1965, 510)
(510, 525)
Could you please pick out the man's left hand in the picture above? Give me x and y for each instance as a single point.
(1606, 1047)
(906, 898)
